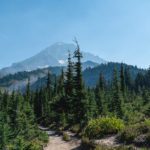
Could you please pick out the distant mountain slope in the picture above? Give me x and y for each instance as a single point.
(38, 77)
(19, 80)
(55, 55)
(91, 75)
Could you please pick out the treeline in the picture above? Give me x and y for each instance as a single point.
(18, 127)
(69, 101)
(91, 75)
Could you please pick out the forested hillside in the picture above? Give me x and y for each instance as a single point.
(118, 107)
(90, 75)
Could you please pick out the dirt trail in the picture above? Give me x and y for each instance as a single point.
(57, 143)
(109, 141)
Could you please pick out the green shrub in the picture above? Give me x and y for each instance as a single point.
(129, 134)
(132, 132)
(75, 128)
(147, 122)
(100, 127)
(148, 139)
(43, 137)
(35, 145)
(87, 144)
(102, 147)
(66, 137)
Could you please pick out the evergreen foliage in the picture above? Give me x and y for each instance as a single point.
(64, 101)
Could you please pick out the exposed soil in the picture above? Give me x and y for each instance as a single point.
(56, 142)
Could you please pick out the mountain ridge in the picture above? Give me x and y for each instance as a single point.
(54, 55)
(38, 77)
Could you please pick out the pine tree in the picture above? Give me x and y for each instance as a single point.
(92, 106)
(38, 105)
(48, 84)
(69, 89)
(139, 82)
(128, 79)
(116, 103)
(28, 92)
(5, 100)
(20, 112)
(146, 97)
(102, 82)
(122, 79)
(55, 87)
(80, 101)
(69, 78)
(2, 132)
(12, 110)
(49, 87)
(61, 89)
(100, 94)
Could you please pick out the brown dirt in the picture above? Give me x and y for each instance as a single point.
(57, 143)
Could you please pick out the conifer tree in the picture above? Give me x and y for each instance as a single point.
(49, 87)
(100, 94)
(80, 101)
(69, 78)
(38, 105)
(128, 79)
(55, 87)
(69, 88)
(116, 102)
(146, 97)
(5, 100)
(28, 92)
(12, 110)
(61, 89)
(2, 132)
(102, 82)
(92, 106)
(122, 79)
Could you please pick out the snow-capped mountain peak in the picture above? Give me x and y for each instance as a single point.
(54, 55)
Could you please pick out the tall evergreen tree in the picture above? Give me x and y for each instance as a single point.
(49, 87)
(12, 110)
(69, 89)
(146, 97)
(128, 79)
(61, 89)
(122, 79)
(69, 78)
(2, 132)
(80, 101)
(38, 105)
(28, 90)
(116, 102)
(92, 105)
(100, 94)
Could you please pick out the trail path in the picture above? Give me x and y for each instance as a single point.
(57, 143)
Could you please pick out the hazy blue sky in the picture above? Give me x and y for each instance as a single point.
(116, 30)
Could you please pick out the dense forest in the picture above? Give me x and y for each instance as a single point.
(117, 106)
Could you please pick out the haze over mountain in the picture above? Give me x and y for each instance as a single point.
(54, 55)
(38, 77)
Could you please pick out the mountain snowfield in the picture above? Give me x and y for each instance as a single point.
(54, 55)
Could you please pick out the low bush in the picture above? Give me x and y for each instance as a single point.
(35, 145)
(86, 144)
(100, 127)
(75, 128)
(137, 134)
(148, 139)
(43, 137)
(101, 147)
(66, 137)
